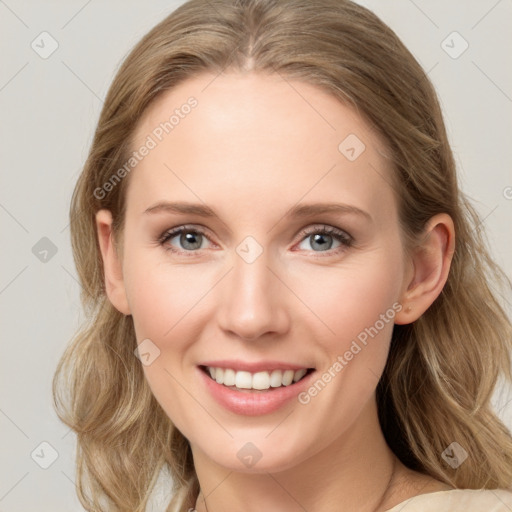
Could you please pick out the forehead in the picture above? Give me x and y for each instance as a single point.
(237, 103)
(256, 136)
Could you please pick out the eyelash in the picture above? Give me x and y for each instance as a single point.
(344, 238)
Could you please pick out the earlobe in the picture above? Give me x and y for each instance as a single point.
(431, 261)
(113, 273)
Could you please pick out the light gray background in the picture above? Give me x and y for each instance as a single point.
(49, 108)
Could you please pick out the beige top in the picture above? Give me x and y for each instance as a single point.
(458, 500)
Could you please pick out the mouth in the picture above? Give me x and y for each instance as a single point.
(254, 382)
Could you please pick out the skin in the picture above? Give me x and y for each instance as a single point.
(252, 149)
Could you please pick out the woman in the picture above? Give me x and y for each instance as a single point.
(289, 306)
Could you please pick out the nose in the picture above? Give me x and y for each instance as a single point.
(252, 301)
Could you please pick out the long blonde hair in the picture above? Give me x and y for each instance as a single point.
(442, 369)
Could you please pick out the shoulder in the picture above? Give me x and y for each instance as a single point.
(459, 500)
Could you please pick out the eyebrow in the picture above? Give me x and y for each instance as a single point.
(305, 210)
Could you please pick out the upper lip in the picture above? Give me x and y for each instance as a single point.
(254, 367)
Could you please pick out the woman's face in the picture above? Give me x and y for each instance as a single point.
(261, 280)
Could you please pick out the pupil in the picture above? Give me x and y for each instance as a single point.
(318, 239)
(188, 238)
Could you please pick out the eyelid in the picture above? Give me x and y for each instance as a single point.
(177, 230)
(325, 228)
(345, 239)
(343, 236)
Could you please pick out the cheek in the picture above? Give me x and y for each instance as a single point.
(167, 305)
(171, 304)
(346, 299)
(163, 298)
(337, 301)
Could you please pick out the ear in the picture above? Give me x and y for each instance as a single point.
(114, 283)
(428, 272)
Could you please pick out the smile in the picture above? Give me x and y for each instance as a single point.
(249, 400)
(262, 380)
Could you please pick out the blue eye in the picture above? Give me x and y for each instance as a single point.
(191, 239)
(324, 237)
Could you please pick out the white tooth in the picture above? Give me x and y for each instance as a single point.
(243, 380)
(261, 380)
(229, 377)
(287, 377)
(276, 378)
(297, 376)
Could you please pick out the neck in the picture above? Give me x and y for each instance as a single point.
(354, 472)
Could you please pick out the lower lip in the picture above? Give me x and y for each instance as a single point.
(254, 403)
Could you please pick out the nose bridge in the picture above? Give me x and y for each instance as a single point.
(252, 300)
